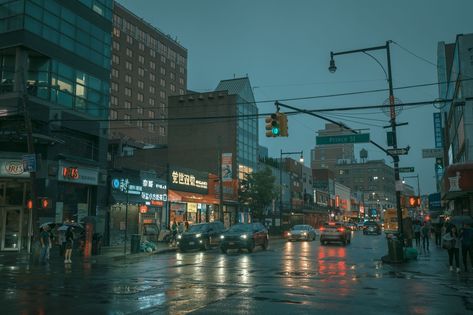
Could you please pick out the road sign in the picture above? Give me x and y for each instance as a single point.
(400, 151)
(354, 138)
(432, 153)
(406, 170)
(29, 163)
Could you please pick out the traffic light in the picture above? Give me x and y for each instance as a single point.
(414, 201)
(438, 164)
(283, 128)
(44, 203)
(272, 125)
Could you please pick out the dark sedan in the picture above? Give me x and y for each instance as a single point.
(201, 236)
(244, 236)
(371, 227)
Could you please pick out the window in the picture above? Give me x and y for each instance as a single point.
(128, 66)
(172, 75)
(139, 97)
(126, 118)
(113, 114)
(129, 39)
(141, 46)
(113, 100)
(139, 110)
(162, 130)
(116, 45)
(127, 105)
(115, 59)
(162, 71)
(141, 84)
(139, 123)
(114, 86)
(127, 78)
(181, 92)
(181, 81)
(151, 114)
(152, 65)
(129, 53)
(162, 82)
(152, 53)
(141, 72)
(162, 94)
(127, 91)
(116, 32)
(152, 77)
(173, 88)
(152, 89)
(173, 65)
(114, 73)
(163, 59)
(181, 70)
(141, 59)
(151, 127)
(151, 101)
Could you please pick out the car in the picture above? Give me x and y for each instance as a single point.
(335, 232)
(359, 225)
(244, 236)
(352, 226)
(301, 232)
(201, 236)
(371, 227)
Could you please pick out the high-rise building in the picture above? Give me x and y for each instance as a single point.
(328, 155)
(148, 66)
(455, 74)
(54, 87)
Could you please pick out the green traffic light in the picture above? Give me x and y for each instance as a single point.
(275, 131)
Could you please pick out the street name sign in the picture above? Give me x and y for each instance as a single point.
(406, 169)
(354, 138)
(432, 153)
(400, 151)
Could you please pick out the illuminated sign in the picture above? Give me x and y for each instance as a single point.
(73, 173)
(143, 209)
(149, 190)
(12, 168)
(70, 172)
(189, 180)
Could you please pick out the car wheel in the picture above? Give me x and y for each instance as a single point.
(251, 247)
(265, 244)
(223, 250)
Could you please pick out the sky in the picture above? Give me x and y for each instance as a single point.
(284, 49)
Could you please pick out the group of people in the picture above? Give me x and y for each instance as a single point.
(46, 241)
(454, 239)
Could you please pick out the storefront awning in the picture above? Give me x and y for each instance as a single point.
(182, 196)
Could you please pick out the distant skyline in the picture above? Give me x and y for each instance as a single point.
(284, 48)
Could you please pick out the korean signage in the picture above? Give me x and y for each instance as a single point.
(150, 190)
(188, 180)
(74, 173)
(12, 168)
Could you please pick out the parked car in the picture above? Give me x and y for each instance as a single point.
(334, 232)
(244, 236)
(371, 227)
(201, 236)
(301, 232)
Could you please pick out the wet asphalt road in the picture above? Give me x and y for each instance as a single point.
(288, 278)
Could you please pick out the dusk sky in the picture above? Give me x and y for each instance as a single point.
(284, 48)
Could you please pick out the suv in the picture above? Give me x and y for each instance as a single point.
(244, 236)
(334, 232)
(371, 227)
(201, 236)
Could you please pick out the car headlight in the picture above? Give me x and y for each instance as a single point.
(179, 237)
(222, 237)
(198, 235)
(288, 233)
(305, 233)
(244, 236)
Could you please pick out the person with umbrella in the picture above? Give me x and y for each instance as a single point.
(69, 245)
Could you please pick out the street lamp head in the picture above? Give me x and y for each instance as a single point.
(332, 68)
(301, 159)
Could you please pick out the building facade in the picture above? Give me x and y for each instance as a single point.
(148, 66)
(455, 71)
(54, 91)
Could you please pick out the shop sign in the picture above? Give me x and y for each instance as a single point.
(143, 209)
(191, 207)
(149, 191)
(12, 168)
(187, 180)
(74, 173)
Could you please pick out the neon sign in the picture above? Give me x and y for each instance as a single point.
(70, 172)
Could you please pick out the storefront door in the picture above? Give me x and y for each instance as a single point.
(11, 228)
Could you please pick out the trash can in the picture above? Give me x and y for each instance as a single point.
(135, 243)
(395, 250)
(96, 244)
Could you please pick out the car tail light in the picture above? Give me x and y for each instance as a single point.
(340, 229)
(322, 229)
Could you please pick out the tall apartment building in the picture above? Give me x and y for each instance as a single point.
(455, 74)
(328, 155)
(55, 70)
(148, 66)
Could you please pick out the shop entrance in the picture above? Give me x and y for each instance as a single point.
(11, 228)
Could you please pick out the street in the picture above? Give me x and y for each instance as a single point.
(288, 278)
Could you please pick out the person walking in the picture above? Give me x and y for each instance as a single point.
(437, 229)
(451, 242)
(45, 242)
(174, 232)
(69, 245)
(466, 236)
(416, 228)
(425, 234)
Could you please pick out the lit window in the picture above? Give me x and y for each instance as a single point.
(151, 101)
(162, 130)
(116, 32)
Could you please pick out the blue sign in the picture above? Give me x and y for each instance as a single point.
(435, 201)
(29, 163)
(115, 183)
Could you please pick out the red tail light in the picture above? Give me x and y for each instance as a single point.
(322, 229)
(340, 229)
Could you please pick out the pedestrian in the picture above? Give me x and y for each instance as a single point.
(62, 243)
(466, 236)
(437, 229)
(416, 228)
(451, 242)
(45, 242)
(174, 231)
(69, 245)
(425, 234)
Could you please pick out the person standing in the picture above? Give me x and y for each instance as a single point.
(437, 227)
(452, 242)
(174, 232)
(466, 236)
(69, 245)
(45, 242)
(416, 228)
(425, 234)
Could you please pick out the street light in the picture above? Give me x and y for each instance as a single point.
(301, 159)
(332, 68)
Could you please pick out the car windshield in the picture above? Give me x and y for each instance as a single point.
(241, 228)
(197, 228)
(370, 223)
(299, 227)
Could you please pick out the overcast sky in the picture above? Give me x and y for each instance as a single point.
(284, 48)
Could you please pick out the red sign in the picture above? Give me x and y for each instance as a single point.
(157, 203)
(44, 203)
(143, 209)
(70, 172)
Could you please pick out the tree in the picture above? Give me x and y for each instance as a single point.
(257, 191)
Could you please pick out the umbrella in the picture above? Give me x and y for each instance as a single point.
(65, 226)
(461, 219)
(48, 224)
